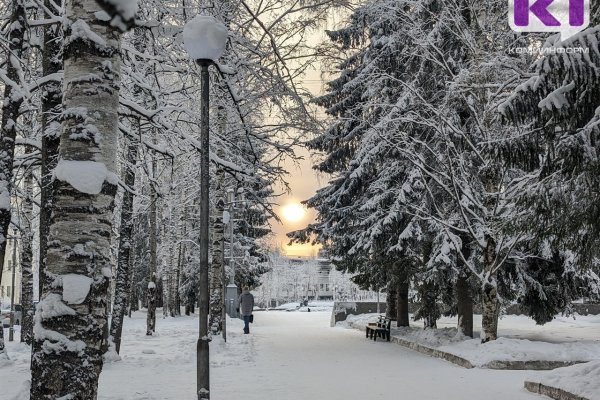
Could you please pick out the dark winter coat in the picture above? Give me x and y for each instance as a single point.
(246, 303)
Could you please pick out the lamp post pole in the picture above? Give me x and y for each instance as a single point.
(203, 378)
(205, 39)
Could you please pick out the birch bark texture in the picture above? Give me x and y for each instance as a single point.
(13, 98)
(27, 259)
(52, 63)
(217, 261)
(70, 323)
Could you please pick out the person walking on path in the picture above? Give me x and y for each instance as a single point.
(246, 302)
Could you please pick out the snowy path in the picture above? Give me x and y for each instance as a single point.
(298, 356)
(287, 356)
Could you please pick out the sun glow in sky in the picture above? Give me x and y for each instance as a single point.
(293, 212)
(303, 181)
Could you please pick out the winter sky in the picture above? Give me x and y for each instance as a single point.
(303, 180)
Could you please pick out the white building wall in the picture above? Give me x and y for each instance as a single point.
(6, 287)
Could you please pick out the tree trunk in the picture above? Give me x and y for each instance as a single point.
(123, 282)
(217, 265)
(464, 301)
(392, 301)
(489, 296)
(178, 279)
(26, 261)
(71, 318)
(429, 305)
(402, 317)
(151, 294)
(133, 302)
(8, 130)
(51, 98)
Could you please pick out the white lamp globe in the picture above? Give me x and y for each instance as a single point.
(204, 38)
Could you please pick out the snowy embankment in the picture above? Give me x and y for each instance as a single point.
(521, 341)
(579, 341)
(581, 380)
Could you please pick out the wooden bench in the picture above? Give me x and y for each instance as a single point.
(381, 328)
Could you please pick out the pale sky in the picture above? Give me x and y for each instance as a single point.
(303, 182)
(302, 179)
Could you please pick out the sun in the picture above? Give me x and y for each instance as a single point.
(293, 212)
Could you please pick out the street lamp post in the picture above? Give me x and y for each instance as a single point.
(204, 39)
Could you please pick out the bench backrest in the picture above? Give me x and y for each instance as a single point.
(384, 322)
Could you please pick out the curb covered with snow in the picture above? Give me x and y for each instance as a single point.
(578, 382)
(502, 354)
(552, 392)
(433, 352)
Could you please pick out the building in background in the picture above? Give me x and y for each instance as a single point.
(295, 279)
(12, 264)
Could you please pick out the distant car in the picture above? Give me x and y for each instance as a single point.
(5, 316)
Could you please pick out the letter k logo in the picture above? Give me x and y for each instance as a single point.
(539, 9)
(565, 16)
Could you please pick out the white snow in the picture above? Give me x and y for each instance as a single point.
(75, 288)
(288, 356)
(563, 339)
(204, 38)
(81, 30)
(581, 379)
(52, 306)
(85, 176)
(125, 8)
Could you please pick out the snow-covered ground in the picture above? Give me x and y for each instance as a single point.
(582, 379)
(313, 305)
(288, 356)
(564, 339)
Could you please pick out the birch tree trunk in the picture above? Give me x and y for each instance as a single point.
(13, 99)
(489, 296)
(71, 319)
(217, 265)
(26, 261)
(151, 293)
(52, 63)
(123, 283)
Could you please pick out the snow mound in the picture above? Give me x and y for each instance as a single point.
(507, 349)
(581, 379)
